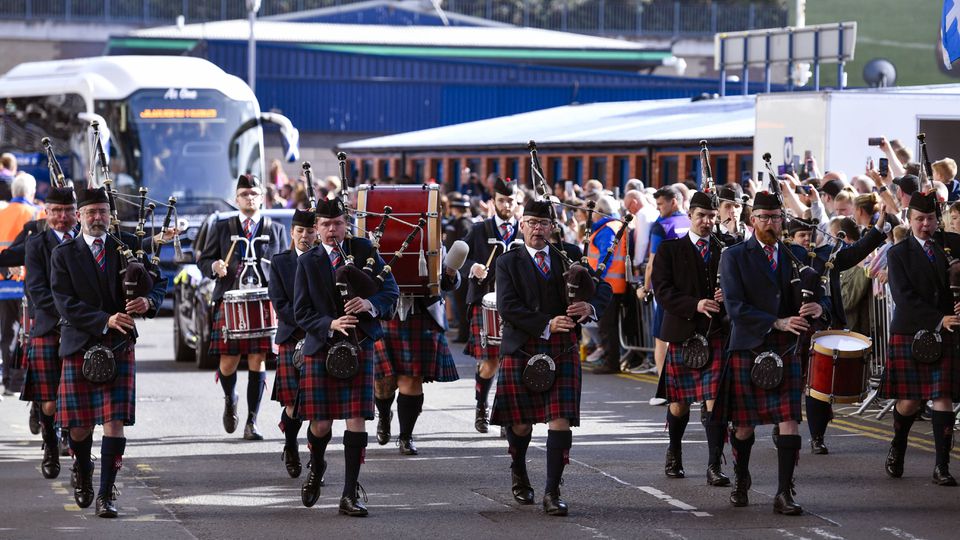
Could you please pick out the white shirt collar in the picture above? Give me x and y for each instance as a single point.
(59, 234)
(694, 238)
(298, 252)
(776, 246)
(533, 252)
(499, 222)
(255, 217)
(89, 239)
(328, 248)
(921, 242)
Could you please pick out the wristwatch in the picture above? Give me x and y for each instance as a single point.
(882, 188)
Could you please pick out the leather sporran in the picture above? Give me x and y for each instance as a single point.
(927, 347)
(298, 355)
(540, 373)
(99, 365)
(695, 352)
(343, 360)
(767, 370)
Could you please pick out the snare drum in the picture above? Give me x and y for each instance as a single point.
(248, 314)
(492, 330)
(408, 203)
(838, 369)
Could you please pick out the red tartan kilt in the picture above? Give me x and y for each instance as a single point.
(328, 398)
(416, 347)
(235, 347)
(286, 384)
(43, 368)
(84, 404)
(903, 378)
(514, 404)
(754, 406)
(687, 385)
(473, 348)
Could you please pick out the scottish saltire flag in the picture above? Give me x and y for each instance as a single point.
(950, 32)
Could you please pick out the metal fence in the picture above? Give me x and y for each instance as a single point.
(601, 17)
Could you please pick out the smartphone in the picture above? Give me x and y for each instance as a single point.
(884, 167)
(874, 141)
(869, 163)
(568, 189)
(781, 169)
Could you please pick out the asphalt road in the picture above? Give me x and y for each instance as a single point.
(183, 477)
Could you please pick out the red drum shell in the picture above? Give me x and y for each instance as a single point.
(838, 370)
(492, 330)
(248, 314)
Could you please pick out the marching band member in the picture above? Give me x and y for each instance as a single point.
(919, 280)
(536, 320)
(323, 315)
(286, 385)
(731, 208)
(685, 284)
(249, 223)
(88, 294)
(762, 304)
(488, 240)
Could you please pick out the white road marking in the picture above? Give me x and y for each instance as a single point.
(824, 534)
(900, 533)
(788, 534)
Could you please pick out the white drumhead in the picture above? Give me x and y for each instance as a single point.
(489, 300)
(840, 342)
(239, 295)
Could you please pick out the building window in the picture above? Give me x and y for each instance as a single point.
(668, 169)
(418, 170)
(576, 170)
(598, 169)
(513, 169)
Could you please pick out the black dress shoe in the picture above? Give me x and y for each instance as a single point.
(942, 476)
(784, 504)
(251, 433)
(894, 465)
(350, 505)
(817, 447)
(291, 460)
(553, 505)
(482, 424)
(83, 486)
(383, 429)
(742, 483)
(50, 466)
(674, 465)
(230, 418)
(310, 491)
(105, 507)
(715, 476)
(34, 418)
(522, 490)
(407, 448)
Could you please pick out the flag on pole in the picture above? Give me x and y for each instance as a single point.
(950, 32)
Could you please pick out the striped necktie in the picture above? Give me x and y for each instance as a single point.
(928, 249)
(771, 257)
(542, 263)
(505, 230)
(98, 254)
(248, 228)
(334, 258)
(704, 250)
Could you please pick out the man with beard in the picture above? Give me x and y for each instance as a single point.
(250, 224)
(531, 298)
(87, 285)
(286, 385)
(685, 283)
(328, 320)
(488, 240)
(919, 280)
(767, 313)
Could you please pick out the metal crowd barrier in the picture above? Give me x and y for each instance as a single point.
(881, 311)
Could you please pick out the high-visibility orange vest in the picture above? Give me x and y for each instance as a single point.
(12, 220)
(617, 267)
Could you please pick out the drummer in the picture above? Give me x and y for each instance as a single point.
(919, 278)
(487, 240)
(222, 258)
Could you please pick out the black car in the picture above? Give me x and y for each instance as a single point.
(193, 293)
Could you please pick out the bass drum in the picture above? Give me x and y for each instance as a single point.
(408, 203)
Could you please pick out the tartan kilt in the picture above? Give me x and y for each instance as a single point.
(903, 378)
(84, 404)
(416, 347)
(43, 368)
(750, 405)
(286, 384)
(330, 398)
(514, 404)
(687, 385)
(235, 347)
(473, 348)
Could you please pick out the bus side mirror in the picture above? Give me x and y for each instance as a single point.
(289, 134)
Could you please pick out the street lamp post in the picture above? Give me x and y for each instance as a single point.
(253, 6)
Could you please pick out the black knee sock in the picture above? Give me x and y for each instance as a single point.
(256, 380)
(741, 452)
(47, 430)
(901, 428)
(81, 452)
(942, 435)
(714, 442)
(228, 383)
(518, 449)
(384, 404)
(408, 410)
(818, 416)
(788, 450)
(290, 428)
(558, 454)
(483, 388)
(676, 426)
(318, 447)
(354, 443)
(111, 456)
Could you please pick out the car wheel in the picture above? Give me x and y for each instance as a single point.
(205, 360)
(181, 350)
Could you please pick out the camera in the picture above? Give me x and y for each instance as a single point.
(875, 141)
(884, 166)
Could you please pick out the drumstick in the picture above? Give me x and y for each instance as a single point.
(226, 262)
(492, 253)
